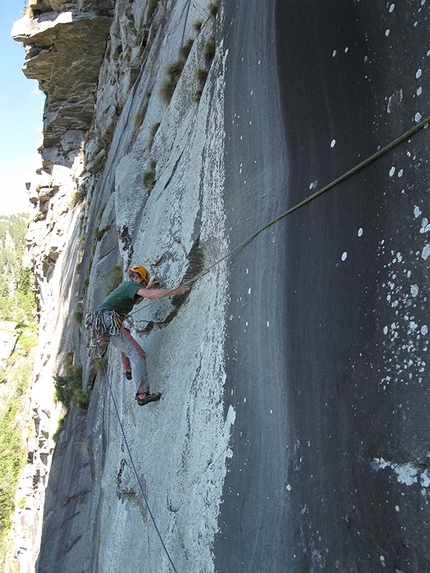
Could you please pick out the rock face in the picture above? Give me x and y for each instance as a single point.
(64, 49)
(114, 114)
(291, 433)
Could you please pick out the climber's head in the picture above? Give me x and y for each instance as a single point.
(139, 271)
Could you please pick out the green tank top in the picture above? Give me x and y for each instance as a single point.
(121, 300)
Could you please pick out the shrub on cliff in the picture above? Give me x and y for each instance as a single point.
(15, 380)
(17, 301)
(68, 387)
(17, 304)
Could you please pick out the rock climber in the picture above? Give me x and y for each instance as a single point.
(106, 324)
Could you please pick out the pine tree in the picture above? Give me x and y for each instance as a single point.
(16, 295)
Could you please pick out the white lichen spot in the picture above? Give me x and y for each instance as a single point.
(424, 330)
(344, 255)
(400, 173)
(387, 32)
(425, 225)
(334, 53)
(406, 473)
(268, 324)
(249, 290)
(392, 171)
(414, 290)
(397, 508)
(419, 73)
(425, 478)
(395, 98)
(346, 49)
(419, 91)
(333, 143)
(425, 252)
(417, 211)
(391, 8)
(360, 232)
(418, 117)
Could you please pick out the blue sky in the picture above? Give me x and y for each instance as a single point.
(21, 114)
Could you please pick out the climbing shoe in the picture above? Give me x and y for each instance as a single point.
(128, 375)
(148, 398)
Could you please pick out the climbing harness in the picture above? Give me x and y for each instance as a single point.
(133, 465)
(102, 322)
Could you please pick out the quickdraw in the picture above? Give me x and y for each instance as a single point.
(100, 322)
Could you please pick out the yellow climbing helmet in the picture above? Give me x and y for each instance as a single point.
(141, 271)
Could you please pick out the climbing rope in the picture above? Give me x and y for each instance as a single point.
(308, 199)
(335, 182)
(132, 461)
(352, 171)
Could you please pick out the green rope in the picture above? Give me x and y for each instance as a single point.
(352, 171)
(347, 174)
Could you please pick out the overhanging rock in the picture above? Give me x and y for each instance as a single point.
(69, 47)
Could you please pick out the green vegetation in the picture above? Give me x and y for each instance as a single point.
(17, 304)
(201, 75)
(117, 52)
(167, 89)
(78, 197)
(83, 288)
(78, 317)
(184, 51)
(13, 415)
(209, 49)
(149, 179)
(68, 387)
(152, 133)
(213, 9)
(140, 116)
(102, 210)
(174, 72)
(151, 10)
(17, 301)
(198, 26)
(101, 365)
